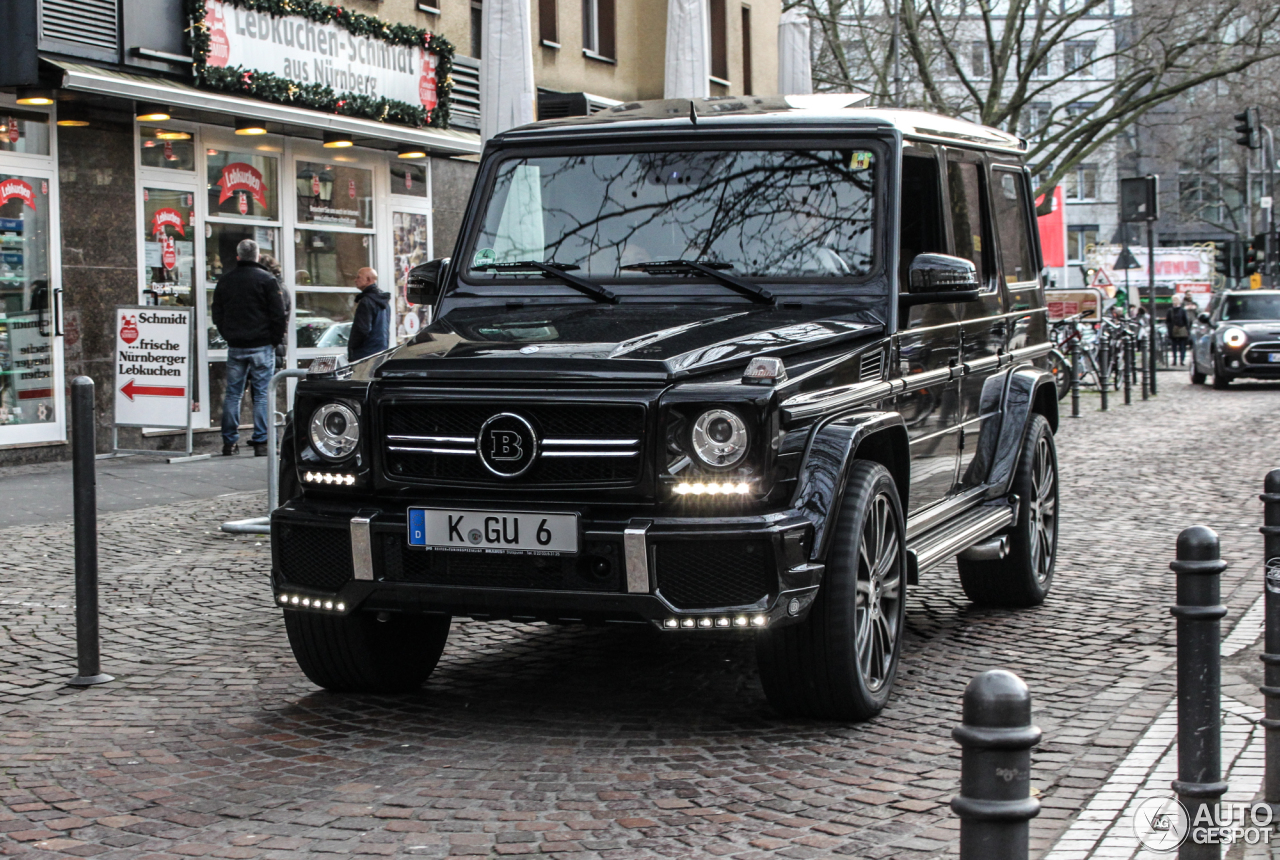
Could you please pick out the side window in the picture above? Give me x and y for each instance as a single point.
(967, 222)
(1011, 210)
(921, 208)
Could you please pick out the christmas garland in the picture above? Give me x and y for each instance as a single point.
(316, 96)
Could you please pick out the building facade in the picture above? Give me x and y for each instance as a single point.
(141, 140)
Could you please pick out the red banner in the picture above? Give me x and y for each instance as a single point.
(1051, 231)
(427, 81)
(167, 217)
(11, 188)
(240, 176)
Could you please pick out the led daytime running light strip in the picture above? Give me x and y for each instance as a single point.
(311, 602)
(713, 489)
(329, 478)
(720, 621)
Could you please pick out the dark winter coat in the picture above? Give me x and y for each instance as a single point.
(248, 308)
(1178, 318)
(369, 329)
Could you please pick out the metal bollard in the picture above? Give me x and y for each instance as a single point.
(1104, 371)
(1145, 358)
(1128, 370)
(85, 505)
(1271, 652)
(1199, 784)
(995, 804)
(1075, 379)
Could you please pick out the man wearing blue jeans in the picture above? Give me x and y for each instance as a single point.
(248, 310)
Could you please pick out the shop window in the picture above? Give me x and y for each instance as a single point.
(24, 131)
(335, 194)
(167, 148)
(243, 185)
(220, 242)
(169, 259)
(409, 237)
(26, 321)
(322, 319)
(330, 258)
(408, 179)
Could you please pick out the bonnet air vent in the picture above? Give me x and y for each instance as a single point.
(90, 23)
(870, 367)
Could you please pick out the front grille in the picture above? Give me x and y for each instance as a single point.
(597, 568)
(714, 574)
(314, 556)
(581, 444)
(1257, 353)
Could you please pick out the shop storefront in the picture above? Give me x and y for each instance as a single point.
(318, 215)
(31, 377)
(318, 134)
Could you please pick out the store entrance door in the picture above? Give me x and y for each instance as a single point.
(31, 335)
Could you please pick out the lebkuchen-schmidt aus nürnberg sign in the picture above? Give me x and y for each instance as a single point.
(326, 59)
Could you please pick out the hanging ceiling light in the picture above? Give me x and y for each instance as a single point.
(170, 134)
(406, 151)
(250, 126)
(337, 140)
(35, 96)
(151, 112)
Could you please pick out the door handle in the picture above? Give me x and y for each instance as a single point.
(58, 327)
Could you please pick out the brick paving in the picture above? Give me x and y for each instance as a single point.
(587, 743)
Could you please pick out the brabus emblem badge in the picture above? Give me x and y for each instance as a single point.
(528, 350)
(507, 445)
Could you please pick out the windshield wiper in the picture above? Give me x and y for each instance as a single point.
(558, 271)
(707, 270)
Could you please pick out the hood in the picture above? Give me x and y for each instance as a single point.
(380, 299)
(628, 342)
(1256, 330)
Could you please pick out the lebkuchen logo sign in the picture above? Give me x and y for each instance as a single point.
(129, 329)
(16, 188)
(167, 218)
(307, 52)
(239, 176)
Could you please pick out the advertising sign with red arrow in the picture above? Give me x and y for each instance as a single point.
(153, 366)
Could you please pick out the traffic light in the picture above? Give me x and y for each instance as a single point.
(1229, 261)
(1255, 258)
(1249, 128)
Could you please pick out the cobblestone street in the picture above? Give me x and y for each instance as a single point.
(598, 743)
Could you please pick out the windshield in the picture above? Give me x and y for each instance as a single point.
(1251, 308)
(761, 214)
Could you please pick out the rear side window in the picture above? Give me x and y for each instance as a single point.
(964, 179)
(1013, 226)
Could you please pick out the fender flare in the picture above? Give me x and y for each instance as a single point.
(1024, 391)
(831, 450)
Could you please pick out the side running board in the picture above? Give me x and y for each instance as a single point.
(972, 527)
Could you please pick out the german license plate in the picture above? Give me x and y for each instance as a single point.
(1273, 357)
(493, 531)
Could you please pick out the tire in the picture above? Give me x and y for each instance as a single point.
(1061, 370)
(1220, 379)
(1024, 577)
(1197, 378)
(840, 662)
(358, 654)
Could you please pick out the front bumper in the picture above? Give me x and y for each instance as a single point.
(677, 573)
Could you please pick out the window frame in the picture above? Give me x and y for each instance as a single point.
(1029, 227)
(990, 262)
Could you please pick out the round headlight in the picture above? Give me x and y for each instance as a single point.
(335, 431)
(1235, 337)
(719, 438)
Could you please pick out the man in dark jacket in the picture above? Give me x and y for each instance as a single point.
(372, 322)
(249, 313)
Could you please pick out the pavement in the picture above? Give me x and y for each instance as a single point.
(585, 743)
(42, 493)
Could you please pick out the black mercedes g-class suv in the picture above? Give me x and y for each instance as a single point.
(737, 365)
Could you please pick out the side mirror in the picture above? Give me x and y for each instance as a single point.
(940, 278)
(1203, 317)
(425, 283)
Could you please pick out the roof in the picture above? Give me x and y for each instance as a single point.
(86, 78)
(823, 109)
